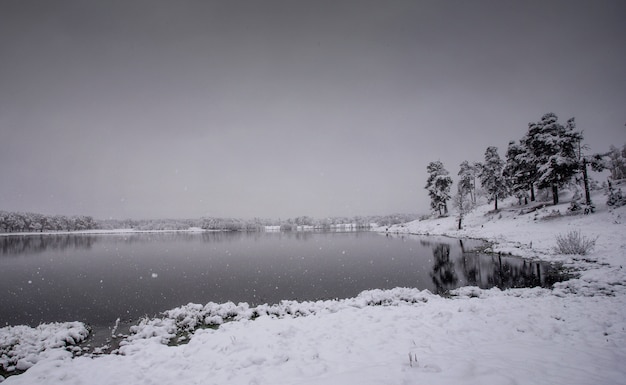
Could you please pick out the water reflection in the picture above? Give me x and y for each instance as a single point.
(443, 273)
(98, 278)
(16, 245)
(486, 271)
(29, 244)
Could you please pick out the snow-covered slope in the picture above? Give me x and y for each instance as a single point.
(572, 334)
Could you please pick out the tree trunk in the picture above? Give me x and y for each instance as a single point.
(555, 194)
(460, 220)
(532, 192)
(586, 181)
(473, 191)
(496, 200)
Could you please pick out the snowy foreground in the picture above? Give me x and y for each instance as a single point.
(572, 334)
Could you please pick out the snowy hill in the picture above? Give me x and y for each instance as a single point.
(574, 333)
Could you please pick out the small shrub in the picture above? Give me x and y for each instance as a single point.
(574, 243)
(616, 199)
(574, 206)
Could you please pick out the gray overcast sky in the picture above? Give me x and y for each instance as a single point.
(149, 109)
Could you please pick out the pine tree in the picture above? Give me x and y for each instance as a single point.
(517, 171)
(467, 180)
(438, 186)
(528, 160)
(491, 176)
(554, 147)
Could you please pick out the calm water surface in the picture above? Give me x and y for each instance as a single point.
(99, 278)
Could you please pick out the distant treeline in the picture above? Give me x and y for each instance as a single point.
(11, 222)
(257, 224)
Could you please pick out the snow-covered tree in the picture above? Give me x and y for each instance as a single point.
(554, 147)
(615, 197)
(20, 221)
(616, 162)
(3, 221)
(304, 221)
(438, 186)
(518, 171)
(463, 203)
(467, 180)
(491, 176)
(527, 160)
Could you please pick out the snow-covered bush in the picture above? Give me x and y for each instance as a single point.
(575, 206)
(574, 243)
(22, 346)
(616, 198)
(578, 206)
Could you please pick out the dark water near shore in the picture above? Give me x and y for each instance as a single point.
(99, 278)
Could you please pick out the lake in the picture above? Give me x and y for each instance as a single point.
(99, 278)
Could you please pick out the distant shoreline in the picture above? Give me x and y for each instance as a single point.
(107, 231)
(268, 229)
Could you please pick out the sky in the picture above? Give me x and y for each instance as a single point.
(276, 109)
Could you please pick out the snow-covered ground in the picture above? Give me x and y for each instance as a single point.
(572, 334)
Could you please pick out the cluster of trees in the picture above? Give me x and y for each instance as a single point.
(149, 224)
(549, 156)
(34, 222)
(358, 222)
(256, 224)
(22, 222)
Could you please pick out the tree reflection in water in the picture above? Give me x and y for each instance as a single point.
(487, 270)
(14, 245)
(443, 274)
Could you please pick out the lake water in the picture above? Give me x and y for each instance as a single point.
(99, 278)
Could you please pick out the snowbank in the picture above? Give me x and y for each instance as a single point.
(21, 346)
(574, 333)
(178, 322)
(526, 336)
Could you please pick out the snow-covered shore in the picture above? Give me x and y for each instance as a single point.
(514, 230)
(572, 334)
